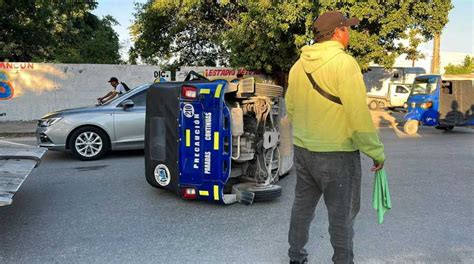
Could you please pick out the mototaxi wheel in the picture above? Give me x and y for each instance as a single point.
(262, 193)
(445, 128)
(411, 127)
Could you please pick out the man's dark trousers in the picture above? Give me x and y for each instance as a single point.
(336, 176)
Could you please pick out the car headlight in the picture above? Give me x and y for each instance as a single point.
(48, 122)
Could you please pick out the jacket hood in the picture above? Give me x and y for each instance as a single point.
(314, 56)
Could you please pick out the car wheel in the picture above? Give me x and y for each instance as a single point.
(411, 127)
(88, 143)
(262, 193)
(373, 105)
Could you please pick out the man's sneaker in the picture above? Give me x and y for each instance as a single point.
(304, 261)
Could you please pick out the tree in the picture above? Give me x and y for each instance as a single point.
(58, 31)
(93, 41)
(180, 32)
(432, 17)
(435, 61)
(383, 22)
(412, 50)
(465, 68)
(267, 35)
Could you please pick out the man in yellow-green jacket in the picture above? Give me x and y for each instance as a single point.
(331, 122)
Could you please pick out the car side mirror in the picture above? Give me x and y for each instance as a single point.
(127, 104)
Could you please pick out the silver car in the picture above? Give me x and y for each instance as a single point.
(90, 132)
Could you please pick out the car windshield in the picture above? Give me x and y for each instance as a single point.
(424, 85)
(119, 97)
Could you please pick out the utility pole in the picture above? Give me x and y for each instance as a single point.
(435, 61)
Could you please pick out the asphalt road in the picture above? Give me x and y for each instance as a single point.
(105, 212)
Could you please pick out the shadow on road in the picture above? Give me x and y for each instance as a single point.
(393, 119)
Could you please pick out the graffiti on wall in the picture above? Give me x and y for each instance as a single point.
(162, 76)
(16, 66)
(230, 72)
(6, 88)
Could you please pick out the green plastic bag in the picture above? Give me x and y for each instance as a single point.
(381, 196)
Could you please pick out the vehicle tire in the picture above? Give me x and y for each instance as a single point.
(381, 105)
(445, 128)
(286, 173)
(373, 105)
(88, 143)
(411, 127)
(262, 193)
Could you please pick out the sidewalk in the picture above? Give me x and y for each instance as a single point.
(17, 128)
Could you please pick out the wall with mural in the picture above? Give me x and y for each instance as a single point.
(31, 90)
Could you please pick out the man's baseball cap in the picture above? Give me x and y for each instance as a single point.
(325, 24)
(113, 79)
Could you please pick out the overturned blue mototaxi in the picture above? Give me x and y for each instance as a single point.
(217, 141)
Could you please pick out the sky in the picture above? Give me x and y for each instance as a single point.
(122, 11)
(458, 35)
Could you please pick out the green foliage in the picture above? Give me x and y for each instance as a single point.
(412, 50)
(384, 22)
(465, 68)
(180, 32)
(94, 42)
(58, 31)
(430, 15)
(267, 35)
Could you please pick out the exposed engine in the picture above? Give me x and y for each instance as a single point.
(256, 111)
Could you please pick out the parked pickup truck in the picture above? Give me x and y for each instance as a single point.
(395, 97)
(217, 141)
(389, 87)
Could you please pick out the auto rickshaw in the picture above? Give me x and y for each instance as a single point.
(440, 101)
(215, 141)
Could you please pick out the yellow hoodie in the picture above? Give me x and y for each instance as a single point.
(319, 124)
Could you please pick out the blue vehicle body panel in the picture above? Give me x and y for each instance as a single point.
(205, 142)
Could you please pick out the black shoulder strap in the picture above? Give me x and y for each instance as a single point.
(125, 86)
(327, 95)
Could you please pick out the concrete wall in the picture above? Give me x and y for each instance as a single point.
(30, 90)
